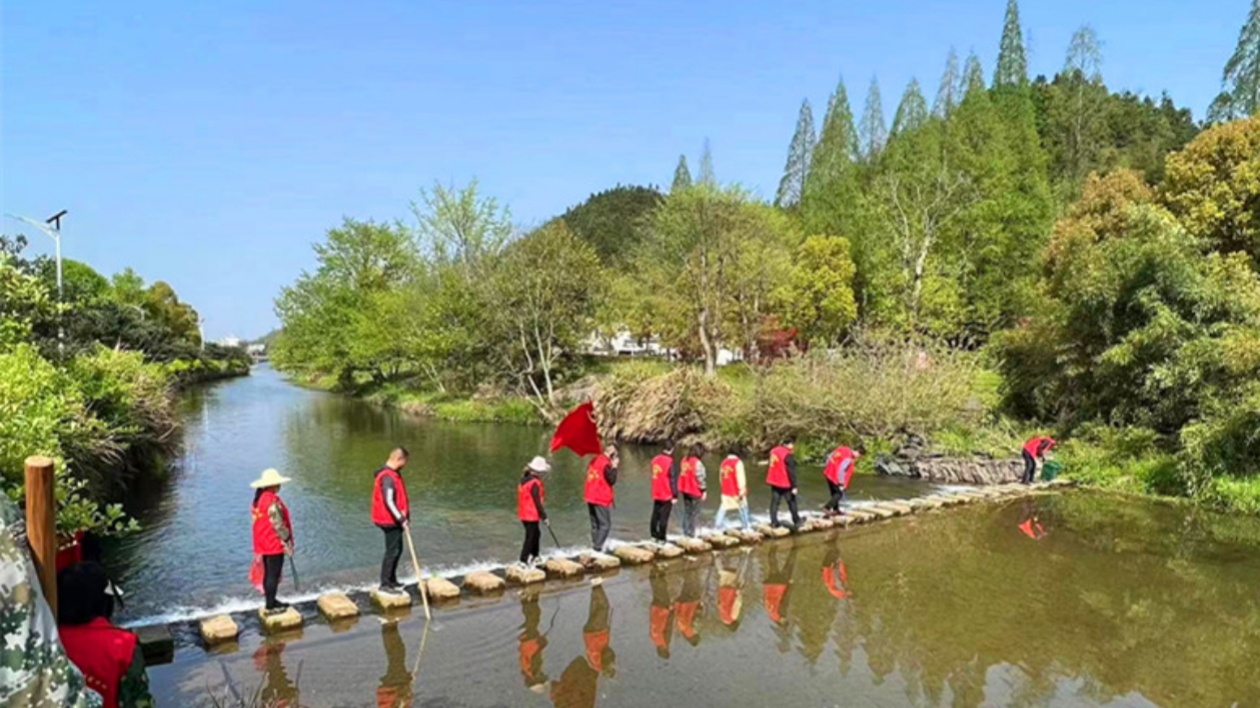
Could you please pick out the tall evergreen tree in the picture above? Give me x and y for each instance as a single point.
(1074, 129)
(796, 171)
(707, 177)
(831, 188)
(912, 112)
(682, 176)
(952, 87)
(973, 76)
(1012, 63)
(1240, 82)
(873, 131)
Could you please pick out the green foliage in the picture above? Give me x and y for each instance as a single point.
(708, 177)
(682, 175)
(1012, 64)
(1213, 186)
(818, 296)
(951, 89)
(1240, 81)
(613, 221)
(912, 112)
(872, 131)
(23, 304)
(831, 187)
(800, 151)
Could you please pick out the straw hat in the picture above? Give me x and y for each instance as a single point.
(269, 478)
(538, 464)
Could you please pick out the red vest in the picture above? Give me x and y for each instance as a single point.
(598, 491)
(1031, 447)
(380, 512)
(266, 541)
(727, 595)
(661, 489)
(688, 483)
(730, 477)
(1031, 531)
(835, 577)
(596, 643)
(774, 593)
(777, 475)
(102, 652)
(658, 626)
(525, 507)
(685, 617)
(832, 470)
(531, 657)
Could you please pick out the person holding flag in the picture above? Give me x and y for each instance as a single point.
(601, 476)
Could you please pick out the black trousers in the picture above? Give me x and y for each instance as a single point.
(837, 496)
(1030, 469)
(660, 518)
(393, 551)
(533, 541)
(776, 495)
(272, 565)
(601, 525)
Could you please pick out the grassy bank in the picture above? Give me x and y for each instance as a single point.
(433, 404)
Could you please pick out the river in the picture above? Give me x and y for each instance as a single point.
(192, 556)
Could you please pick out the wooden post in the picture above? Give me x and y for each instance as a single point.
(41, 524)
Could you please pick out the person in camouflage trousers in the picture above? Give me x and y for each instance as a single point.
(34, 670)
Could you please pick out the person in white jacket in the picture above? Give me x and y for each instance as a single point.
(734, 485)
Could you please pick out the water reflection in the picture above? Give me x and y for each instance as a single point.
(660, 611)
(276, 689)
(394, 690)
(531, 643)
(578, 686)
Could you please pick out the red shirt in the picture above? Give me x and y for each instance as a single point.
(102, 652)
(598, 491)
(266, 541)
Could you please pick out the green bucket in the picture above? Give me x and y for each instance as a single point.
(1050, 470)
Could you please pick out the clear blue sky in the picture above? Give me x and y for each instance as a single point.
(209, 144)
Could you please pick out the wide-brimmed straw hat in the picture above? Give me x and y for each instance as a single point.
(269, 478)
(538, 464)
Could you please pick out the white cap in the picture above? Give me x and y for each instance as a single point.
(538, 464)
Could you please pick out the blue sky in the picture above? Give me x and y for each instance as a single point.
(209, 144)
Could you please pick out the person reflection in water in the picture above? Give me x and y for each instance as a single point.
(578, 686)
(688, 606)
(660, 613)
(1031, 525)
(730, 591)
(532, 643)
(395, 688)
(834, 575)
(777, 584)
(277, 690)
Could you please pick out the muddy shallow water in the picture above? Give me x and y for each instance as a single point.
(1107, 602)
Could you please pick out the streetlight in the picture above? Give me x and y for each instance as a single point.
(55, 234)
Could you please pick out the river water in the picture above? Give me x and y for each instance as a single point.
(193, 555)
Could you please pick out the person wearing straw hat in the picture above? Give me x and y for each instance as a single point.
(529, 507)
(273, 534)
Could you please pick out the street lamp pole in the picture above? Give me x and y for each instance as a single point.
(53, 232)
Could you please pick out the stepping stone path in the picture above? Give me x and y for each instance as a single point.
(563, 568)
(337, 606)
(520, 575)
(719, 540)
(745, 536)
(694, 545)
(279, 622)
(770, 532)
(898, 507)
(880, 512)
(633, 555)
(599, 562)
(668, 551)
(440, 590)
(483, 582)
(390, 600)
(218, 629)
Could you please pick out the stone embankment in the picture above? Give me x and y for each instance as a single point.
(341, 610)
(913, 460)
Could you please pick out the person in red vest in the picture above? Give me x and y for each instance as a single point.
(529, 507)
(781, 477)
(1035, 451)
(108, 656)
(777, 583)
(834, 575)
(660, 612)
(578, 686)
(730, 601)
(391, 512)
(531, 644)
(601, 476)
(734, 491)
(692, 480)
(597, 633)
(688, 606)
(664, 491)
(838, 471)
(273, 534)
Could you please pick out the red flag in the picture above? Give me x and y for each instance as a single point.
(256, 573)
(578, 432)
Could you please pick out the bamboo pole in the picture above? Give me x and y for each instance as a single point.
(41, 525)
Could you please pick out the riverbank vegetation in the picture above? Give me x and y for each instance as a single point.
(1016, 255)
(89, 381)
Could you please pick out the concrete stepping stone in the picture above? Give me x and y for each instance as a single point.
(694, 545)
(336, 606)
(880, 512)
(156, 644)
(218, 629)
(633, 555)
(901, 508)
(275, 623)
(563, 568)
(441, 590)
(720, 540)
(667, 551)
(858, 516)
(390, 600)
(599, 562)
(521, 575)
(926, 503)
(483, 582)
(768, 531)
(749, 536)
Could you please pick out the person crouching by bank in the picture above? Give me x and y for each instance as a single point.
(108, 656)
(839, 472)
(601, 476)
(1035, 451)
(529, 507)
(781, 476)
(692, 487)
(273, 534)
(391, 512)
